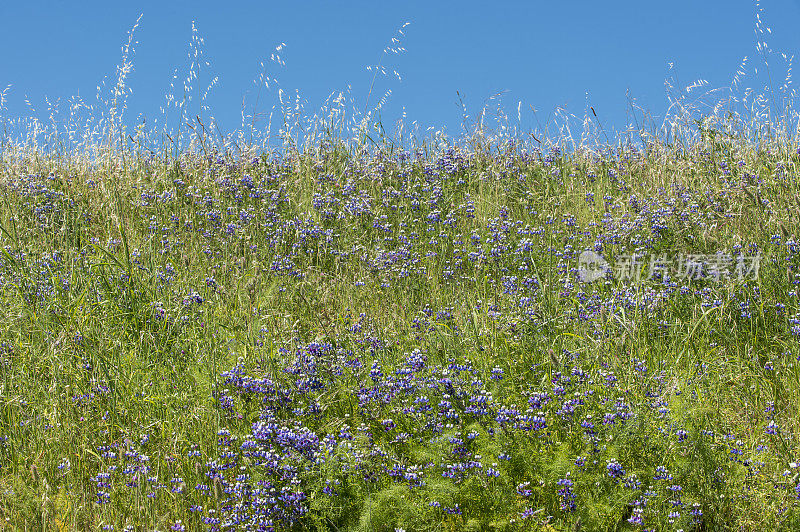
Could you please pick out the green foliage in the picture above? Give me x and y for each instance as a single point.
(154, 312)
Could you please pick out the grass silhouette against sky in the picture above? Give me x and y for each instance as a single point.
(538, 55)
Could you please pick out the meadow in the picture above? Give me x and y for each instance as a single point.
(378, 334)
(382, 340)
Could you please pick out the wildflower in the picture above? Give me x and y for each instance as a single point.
(615, 470)
(566, 496)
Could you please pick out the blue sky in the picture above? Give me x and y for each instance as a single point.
(543, 54)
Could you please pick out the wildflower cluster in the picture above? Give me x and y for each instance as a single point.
(397, 338)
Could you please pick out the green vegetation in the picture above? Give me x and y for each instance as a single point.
(353, 339)
(368, 331)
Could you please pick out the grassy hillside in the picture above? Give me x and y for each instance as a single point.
(353, 339)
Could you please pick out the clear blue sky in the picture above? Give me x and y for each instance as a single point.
(543, 54)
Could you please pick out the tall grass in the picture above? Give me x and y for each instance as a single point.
(340, 327)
